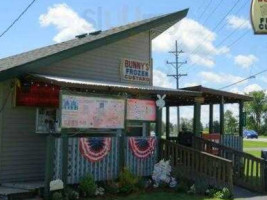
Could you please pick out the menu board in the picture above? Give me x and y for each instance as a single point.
(144, 110)
(92, 112)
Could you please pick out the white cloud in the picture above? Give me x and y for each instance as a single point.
(236, 90)
(219, 77)
(191, 84)
(251, 88)
(160, 79)
(193, 38)
(66, 21)
(238, 22)
(245, 61)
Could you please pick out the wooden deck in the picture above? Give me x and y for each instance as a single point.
(20, 190)
(194, 164)
(249, 171)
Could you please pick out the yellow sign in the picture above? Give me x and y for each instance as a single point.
(259, 16)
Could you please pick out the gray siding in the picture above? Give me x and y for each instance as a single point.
(102, 64)
(22, 150)
(22, 156)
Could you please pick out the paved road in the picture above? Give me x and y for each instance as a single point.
(240, 193)
(257, 140)
(255, 149)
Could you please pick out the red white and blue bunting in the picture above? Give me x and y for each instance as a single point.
(94, 149)
(142, 147)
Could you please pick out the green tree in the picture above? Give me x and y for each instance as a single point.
(231, 123)
(186, 124)
(256, 111)
(216, 126)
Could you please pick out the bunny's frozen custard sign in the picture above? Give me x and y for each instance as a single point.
(135, 71)
(259, 16)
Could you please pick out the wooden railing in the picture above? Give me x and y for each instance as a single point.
(194, 164)
(248, 170)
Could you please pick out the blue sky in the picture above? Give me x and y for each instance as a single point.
(210, 65)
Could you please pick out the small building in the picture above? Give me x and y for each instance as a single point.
(88, 105)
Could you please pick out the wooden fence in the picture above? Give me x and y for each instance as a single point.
(248, 170)
(194, 164)
(233, 141)
(106, 169)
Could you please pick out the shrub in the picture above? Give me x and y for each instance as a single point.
(223, 194)
(57, 196)
(192, 189)
(226, 194)
(201, 186)
(127, 181)
(211, 192)
(71, 195)
(142, 184)
(182, 187)
(112, 188)
(87, 186)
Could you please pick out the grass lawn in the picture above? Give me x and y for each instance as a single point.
(254, 144)
(254, 153)
(160, 196)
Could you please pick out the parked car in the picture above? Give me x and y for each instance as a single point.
(250, 134)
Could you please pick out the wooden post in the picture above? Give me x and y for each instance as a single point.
(222, 116)
(159, 123)
(159, 130)
(241, 118)
(167, 122)
(122, 147)
(197, 115)
(65, 151)
(211, 119)
(50, 145)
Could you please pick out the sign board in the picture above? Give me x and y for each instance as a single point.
(144, 110)
(136, 71)
(92, 112)
(259, 16)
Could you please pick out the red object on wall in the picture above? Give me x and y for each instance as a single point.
(37, 95)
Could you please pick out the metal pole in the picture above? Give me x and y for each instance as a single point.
(177, 85)
(176, 64)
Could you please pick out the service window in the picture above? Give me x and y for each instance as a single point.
(47, 120)
(137, 129)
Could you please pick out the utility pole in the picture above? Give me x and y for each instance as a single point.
(177, 65)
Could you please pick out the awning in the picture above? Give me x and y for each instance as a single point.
(181, 97)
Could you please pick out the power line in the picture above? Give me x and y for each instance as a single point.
(17, 19)
(233, 32)
(250, 77)
(212, 12)
(239, 38)
(205, 9)
(210, 33)
(228, 46)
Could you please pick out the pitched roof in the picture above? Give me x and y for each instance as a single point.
(214, 96)
(18, 64)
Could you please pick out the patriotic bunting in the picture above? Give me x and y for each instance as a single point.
(94, 149)
(142, 147)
